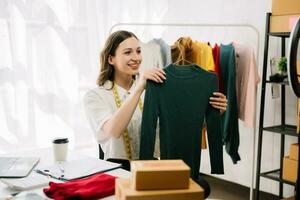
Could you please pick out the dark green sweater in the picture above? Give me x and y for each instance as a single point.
(181, 103)
(230, 117)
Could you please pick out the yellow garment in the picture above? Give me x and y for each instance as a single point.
(205, 56)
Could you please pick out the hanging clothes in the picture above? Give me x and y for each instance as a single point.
(165, 51)
(198, 53)
(181, 103)
(231, 138)
(205, 56)
(247, 79)
(185, 50)
(151, 55)
(182, 50)
(216, 55)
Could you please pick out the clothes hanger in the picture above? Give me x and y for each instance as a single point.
(182, 61)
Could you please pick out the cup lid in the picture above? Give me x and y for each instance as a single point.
(60, 140)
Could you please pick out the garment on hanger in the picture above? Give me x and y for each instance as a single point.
(184, 49)
(247, 79)
(151, 53)
(181, 103)
(230, 117)
(205, 56)
(198, 53)
(216, 55)
(165, 51)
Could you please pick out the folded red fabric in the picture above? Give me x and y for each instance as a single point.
(94, 187)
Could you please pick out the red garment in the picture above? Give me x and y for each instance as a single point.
(94, 187)
(216, 55)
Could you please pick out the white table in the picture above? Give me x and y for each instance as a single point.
(46, 159)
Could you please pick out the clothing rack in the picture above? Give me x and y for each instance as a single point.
(230, 25)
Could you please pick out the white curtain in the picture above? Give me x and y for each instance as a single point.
(46, 65)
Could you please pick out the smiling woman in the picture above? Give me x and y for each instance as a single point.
(116, 104)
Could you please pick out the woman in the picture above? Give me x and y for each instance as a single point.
(114, 109)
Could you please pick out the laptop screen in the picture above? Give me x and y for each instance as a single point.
(16, 167)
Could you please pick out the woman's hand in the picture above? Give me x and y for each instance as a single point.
(219, 101)
(154, 74)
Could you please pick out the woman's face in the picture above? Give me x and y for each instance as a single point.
(128, 57)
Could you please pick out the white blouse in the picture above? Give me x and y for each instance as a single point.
(99, 104)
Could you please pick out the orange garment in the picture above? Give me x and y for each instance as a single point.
(199, 53)
(203, 141)
(182, 50)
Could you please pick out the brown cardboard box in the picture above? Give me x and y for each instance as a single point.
(125, 192)
(282, 23)
(290, 168)
(160, 174)
(290, 198)
(298, 116)
(298, 69)
(294, 151)
(285, 7)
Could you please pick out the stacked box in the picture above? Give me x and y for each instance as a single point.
(290, 164)
(124, 191)
(285, 14)
(160, 174)
(158, 179)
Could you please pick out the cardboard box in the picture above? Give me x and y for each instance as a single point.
(290, 168)
(298, 69)
(125, 192)
(285, 7)
(160, 174)
(290, 198)
(283, 23)
(294, 151)
(298, 111)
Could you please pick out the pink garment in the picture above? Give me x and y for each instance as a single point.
(247, 78)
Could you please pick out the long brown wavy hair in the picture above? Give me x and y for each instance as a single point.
(109, 49)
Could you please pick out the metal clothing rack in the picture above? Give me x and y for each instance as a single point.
(231, 25)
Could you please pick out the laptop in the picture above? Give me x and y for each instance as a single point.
(17, 167)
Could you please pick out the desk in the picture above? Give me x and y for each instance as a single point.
(46, 159)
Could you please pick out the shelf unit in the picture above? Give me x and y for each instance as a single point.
(282, 128)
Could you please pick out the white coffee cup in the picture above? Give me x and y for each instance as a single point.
(60, 149)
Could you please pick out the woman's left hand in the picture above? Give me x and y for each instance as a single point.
(219, 101)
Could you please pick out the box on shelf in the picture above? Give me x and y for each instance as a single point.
(282, 23)
(160, 174)
(290, 198)
(298, 107)
(294, 151)
(285, 7)
(289, 171)
(125, 192)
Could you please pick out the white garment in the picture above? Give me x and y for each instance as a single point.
(151, 54)
(99, 104)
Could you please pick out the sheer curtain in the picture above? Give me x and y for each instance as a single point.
(48, 58)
